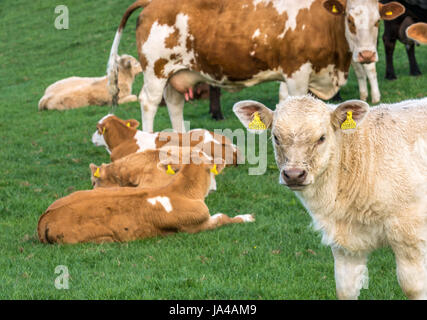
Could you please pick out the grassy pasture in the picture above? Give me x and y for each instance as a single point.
(46, 155)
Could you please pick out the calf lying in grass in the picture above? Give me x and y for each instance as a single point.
(362, 175)
(125, 214)
(141, 169)
(121, 138)
(77, 92)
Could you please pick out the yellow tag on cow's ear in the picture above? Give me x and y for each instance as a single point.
(97, 174)
(170, 170)
(214, 170)
(103, 130)
(256, 123)
(389, 13)
(128, 124)
(334, 9)
(349, 123)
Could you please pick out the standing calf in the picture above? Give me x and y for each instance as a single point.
(364, 183)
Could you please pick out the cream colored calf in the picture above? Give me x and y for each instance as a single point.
(362, 175)
(77, 92)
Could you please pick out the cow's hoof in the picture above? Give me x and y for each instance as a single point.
(390, 77)
(246, 217)
(217, 117)
(415, 73)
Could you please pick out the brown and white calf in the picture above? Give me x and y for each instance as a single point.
(126, 214)
(308, 44)
(142, 170)
(364, 187)
(121, 138)
(418, 32)
(77, 92)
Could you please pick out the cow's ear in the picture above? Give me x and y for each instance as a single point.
(255, 116)
(334, 6)
(391, 10)
(418, 32)
(132, 123)
(348, 116)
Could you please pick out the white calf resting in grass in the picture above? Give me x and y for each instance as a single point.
(364, 187)
(77, 92)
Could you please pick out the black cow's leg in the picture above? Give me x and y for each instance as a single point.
(389, 45)
(414, 70)
(215, 103)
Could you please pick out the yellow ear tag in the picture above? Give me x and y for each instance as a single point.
(334, 9)
(96, 174)
(128, 124)
(256, 123)
(349, 123)
(214, 170)
(389, 13)
(103, 130)
(170, 170)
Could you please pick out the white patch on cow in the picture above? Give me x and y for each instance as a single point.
(99, 141)
(298, 82)
(164, 201)
(208, 137)
(107, 116)
(145, 140)
(291, 7)
(154, 48)
(216, 216)
(256, 34)
(326, 82)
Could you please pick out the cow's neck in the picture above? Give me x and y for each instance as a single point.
(118, 134)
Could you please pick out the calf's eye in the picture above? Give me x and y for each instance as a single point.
(276, 140)
(321, 139)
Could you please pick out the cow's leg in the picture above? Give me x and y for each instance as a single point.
(351, 273)
(216, 221)
(414, 70)
(283, 91)
(389, 39)
(298, 82)
(215, 103)
(175, 103)
(150, 98)
(371, 72)
(361, 80)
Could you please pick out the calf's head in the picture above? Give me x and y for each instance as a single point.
(129, 65)
(111, 128)
(362, 19)
(305, 134)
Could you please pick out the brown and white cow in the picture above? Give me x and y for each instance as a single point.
(126, 214)
(238, 43)
(418, 32)
(77, 92)
(364, 183)
(121, 138)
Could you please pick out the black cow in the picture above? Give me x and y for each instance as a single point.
(416, 11)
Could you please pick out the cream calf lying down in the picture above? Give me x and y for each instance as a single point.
(364, 183)
(77, 92)
(125, 214)
(121, 138)
(141, 169)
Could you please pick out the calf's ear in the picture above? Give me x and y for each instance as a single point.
(334, 6)
(391, 10)
(349, 115)
(418, 32)
(255, 116)
(132, 123)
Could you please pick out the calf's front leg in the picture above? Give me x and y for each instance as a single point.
(216, 221)
(351, 273)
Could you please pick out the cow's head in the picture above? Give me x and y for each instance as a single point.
(362, 19)
(305, 133)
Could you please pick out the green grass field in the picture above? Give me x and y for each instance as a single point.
(46, 155)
